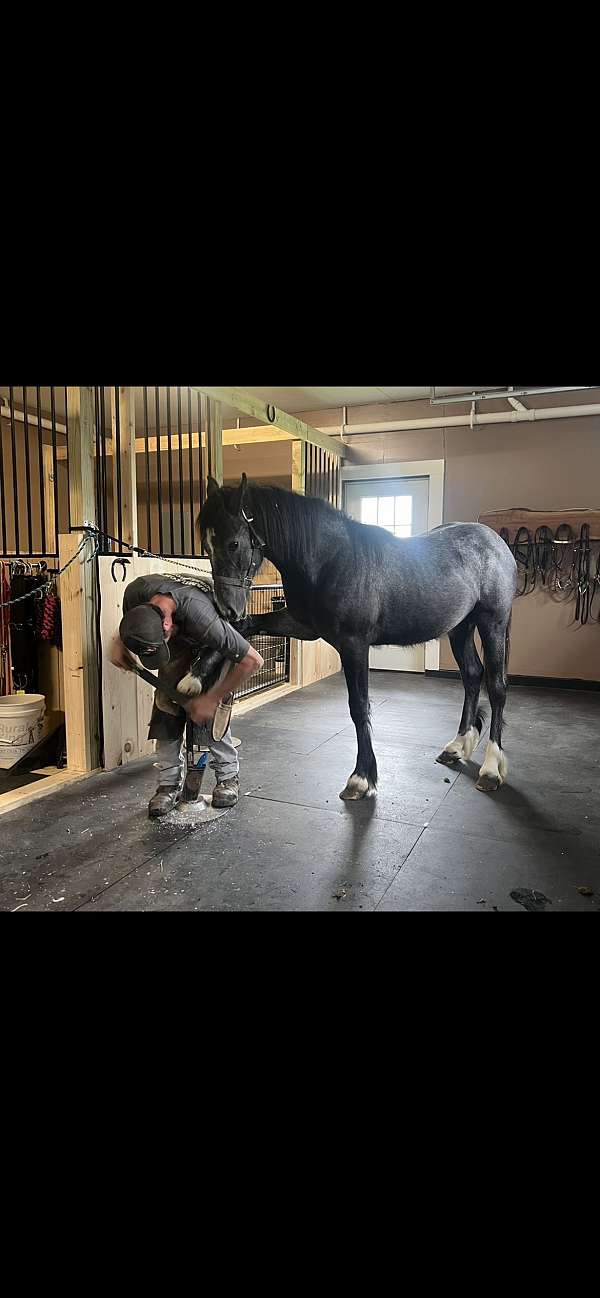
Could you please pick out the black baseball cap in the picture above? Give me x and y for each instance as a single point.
(142, 631)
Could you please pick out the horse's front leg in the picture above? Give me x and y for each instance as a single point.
(355, 661)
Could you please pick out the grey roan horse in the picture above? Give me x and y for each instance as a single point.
(357, 586)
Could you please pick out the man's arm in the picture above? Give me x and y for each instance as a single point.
(204, 707)
(120, 655)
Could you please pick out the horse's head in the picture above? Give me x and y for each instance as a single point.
(234, 548)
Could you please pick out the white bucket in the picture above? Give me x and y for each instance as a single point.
(21, 725)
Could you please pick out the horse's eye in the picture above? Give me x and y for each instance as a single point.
(233, 545)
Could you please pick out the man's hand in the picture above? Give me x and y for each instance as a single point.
(119, 655)
(203, 708)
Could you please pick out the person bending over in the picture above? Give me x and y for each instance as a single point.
(177, 628)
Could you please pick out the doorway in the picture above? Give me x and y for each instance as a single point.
(406, 499)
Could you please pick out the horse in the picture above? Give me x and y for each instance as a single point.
(356, 585)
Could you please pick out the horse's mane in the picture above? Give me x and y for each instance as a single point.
(295, 520)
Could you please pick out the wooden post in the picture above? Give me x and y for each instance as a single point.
(214, 439)
(298, 484)
(127, 531)
(80, 663)
(79, 593)
(298, 467)
(48, 504)
(82, 444)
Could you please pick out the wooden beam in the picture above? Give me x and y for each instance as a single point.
(18, 797)
(269, 414)
(231, 437)
(250, 436)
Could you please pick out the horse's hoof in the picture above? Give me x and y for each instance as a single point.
(448, 759)
(488, 783)
(191, 685)
(356, 788)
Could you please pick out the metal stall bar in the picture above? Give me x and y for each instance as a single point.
(180, 465)
(67, 453)
(117, 465)
(200, 458)
(98, 465)
(170, 465)
(38, 400)
(158, 471)
(191, 473)
(104, 467)
(2, 496)
(147, 464)
(14, 471)
(54, 466)
(27, 472)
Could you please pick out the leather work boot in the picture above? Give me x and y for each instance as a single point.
(165, 799)
(226, 793)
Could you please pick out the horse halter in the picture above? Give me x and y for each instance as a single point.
(256, 558)
(584, 577)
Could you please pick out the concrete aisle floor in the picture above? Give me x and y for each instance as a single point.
(422, 845)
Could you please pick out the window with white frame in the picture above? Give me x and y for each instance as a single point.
(394, 513)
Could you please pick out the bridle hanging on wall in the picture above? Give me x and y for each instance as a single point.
(584, 557)
(559, 562)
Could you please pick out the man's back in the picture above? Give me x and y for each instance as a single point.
(196, 614)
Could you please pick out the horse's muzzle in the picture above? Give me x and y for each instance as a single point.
(231, 597)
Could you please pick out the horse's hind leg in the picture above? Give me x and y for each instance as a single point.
(493, 630)
(355, 661)
(471, 669)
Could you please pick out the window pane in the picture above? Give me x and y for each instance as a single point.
(403, 530)
(368, 509)
(385, 513)
(404, 507)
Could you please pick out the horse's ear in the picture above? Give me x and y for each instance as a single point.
(213, 487)
(239, 497)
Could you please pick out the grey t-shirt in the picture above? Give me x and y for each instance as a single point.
(196, 615)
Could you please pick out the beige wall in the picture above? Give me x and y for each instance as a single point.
(551, 465)
(266, 462)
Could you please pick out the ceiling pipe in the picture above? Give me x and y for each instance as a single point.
(469, 421)
(516, 405)
(501, 395)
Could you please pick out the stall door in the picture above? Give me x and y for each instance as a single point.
(401, 506)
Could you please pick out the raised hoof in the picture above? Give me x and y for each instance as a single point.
(358, 787)
(448, 759)
(488, 783)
